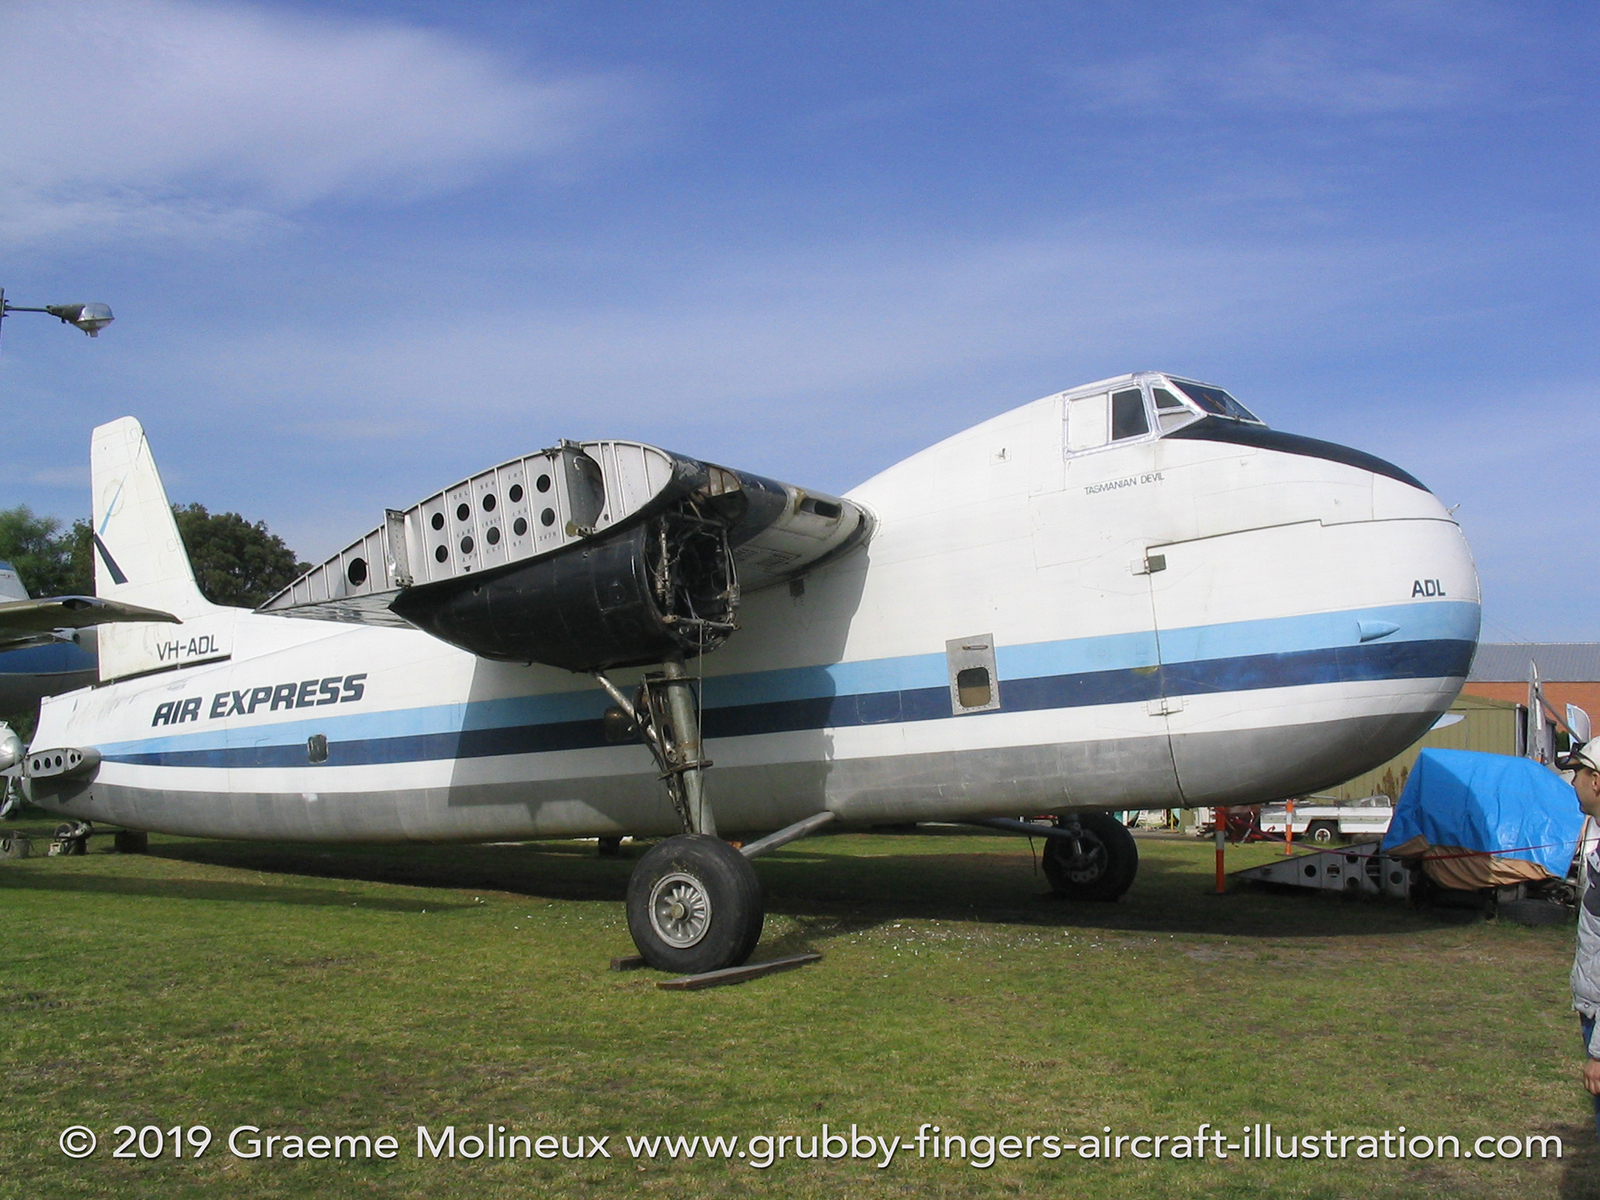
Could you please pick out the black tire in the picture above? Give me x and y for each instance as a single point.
(1105, 867)
(694, 905)
(132, 841)
(1322, 833)
(15, 845)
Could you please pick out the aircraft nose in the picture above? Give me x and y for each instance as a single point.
(1329, 645)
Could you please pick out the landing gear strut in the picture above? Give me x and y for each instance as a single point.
(694, 902)
(1097, 860)
(664, 717)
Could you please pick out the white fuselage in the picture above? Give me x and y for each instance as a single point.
(1169, 621)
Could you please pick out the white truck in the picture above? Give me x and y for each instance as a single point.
(1323, 821)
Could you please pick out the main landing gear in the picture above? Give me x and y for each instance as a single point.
(694, 905)
(694, 902)
(1094, 857)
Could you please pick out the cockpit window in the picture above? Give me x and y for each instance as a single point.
(1215, 401)
(1127, 415)
(1165, 399)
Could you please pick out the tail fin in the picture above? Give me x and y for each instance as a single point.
(139, 558)
(11, 585)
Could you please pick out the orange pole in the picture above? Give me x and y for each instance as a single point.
(1288, 827)
(1222, 840)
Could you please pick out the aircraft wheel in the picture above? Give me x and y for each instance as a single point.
(1323, 833)
(694, 904)
(1100, 866)
(15, 845)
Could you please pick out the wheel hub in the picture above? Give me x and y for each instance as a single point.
(680, 910)
(1088, 862)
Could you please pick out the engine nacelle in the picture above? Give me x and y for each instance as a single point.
(584, 556)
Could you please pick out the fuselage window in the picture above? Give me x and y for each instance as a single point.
(1127, 415)
(1170, 411)
(972, 687)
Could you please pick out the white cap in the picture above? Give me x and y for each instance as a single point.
(1585, 755)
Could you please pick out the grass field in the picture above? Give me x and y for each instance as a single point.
(368, 991)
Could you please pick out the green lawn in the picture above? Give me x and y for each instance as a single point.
(368, 991)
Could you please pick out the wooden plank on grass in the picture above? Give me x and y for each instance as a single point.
(628, 962)
(693, 983)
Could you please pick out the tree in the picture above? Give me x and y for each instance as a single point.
(40, 552)
(235, 562)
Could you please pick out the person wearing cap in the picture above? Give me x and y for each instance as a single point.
(1584, 763)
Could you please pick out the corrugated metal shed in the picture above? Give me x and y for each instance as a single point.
(1486, 725)
(1559, 662)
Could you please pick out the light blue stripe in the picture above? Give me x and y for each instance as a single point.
(1440, 620)
(400, 722)
(1450, 620)
(1080, 656)
(836, 679)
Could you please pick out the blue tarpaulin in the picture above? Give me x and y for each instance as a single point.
(1490, 802)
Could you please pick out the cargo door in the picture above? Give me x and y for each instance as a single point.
(1240, 638)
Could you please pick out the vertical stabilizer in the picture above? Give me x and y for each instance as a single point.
(11, 586)
(139, 558)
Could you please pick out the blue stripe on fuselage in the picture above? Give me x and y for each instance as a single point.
(1435, 641)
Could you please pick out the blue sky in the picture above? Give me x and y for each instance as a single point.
(359, 250)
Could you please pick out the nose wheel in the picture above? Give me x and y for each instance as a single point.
(694, 905)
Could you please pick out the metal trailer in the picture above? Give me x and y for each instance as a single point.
(1322, 821)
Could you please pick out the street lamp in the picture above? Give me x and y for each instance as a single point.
(91, 318)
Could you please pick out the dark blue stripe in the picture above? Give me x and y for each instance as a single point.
(111, 564)
(1339, 664)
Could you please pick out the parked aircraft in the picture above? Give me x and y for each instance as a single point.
(47, 645)
(1129, 595)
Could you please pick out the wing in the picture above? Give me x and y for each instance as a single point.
(34, 622)
(581, 556)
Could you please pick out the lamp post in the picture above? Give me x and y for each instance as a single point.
(91, 318)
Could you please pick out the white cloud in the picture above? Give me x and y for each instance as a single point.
(174, 116)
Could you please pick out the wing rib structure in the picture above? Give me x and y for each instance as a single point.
(585, 556)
